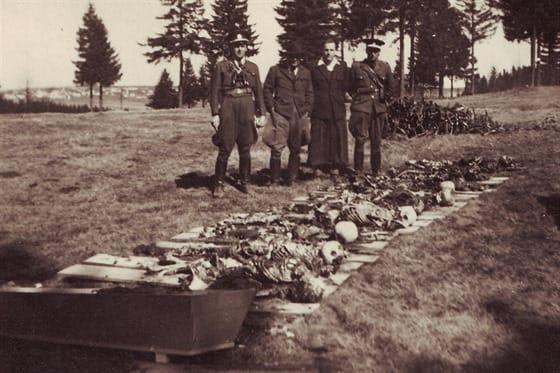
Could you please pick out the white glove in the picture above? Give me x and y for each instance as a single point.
(216, 121)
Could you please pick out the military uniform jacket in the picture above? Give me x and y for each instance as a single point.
(283, 90)
(371, 88)
(223, 81)
(329, 91)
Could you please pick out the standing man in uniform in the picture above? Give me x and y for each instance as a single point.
(329, 134)
(371, 86)
(288, 97)
(236, 97)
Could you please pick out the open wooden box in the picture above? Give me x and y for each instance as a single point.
(182, 323)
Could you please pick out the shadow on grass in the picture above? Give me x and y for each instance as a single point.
(19, 261)
(534, 348)
(194, 180)
(24, 356)
(552, 205)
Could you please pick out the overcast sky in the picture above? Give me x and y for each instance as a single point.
(38, 41)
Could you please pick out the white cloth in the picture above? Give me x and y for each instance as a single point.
(330, 66)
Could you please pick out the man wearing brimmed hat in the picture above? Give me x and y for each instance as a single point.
(288, 97)
(371, 86)
(236, 96)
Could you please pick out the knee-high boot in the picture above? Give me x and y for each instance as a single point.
(244, 173)
(293, 167)
(219, 176)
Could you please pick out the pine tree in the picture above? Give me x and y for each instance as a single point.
(204, 83)
(98, 61)
(526, 20)
(492, 82)
(230, 18)
(479, 22)
(164, 96)
(183, 33)
(190, 85)
(307, 22)
(442, 45)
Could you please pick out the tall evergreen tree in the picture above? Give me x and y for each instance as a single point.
(164, 96)
(480, 22)
(183, 33)
(204, 83)
(307, 22)
(230, 17)
(190, 85)
(442, 45)
(526, 20)
(98, 61)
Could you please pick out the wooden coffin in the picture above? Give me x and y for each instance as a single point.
(185, 323)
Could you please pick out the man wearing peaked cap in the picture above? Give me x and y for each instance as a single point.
(288, 97)
(371, 87)
(236, 98)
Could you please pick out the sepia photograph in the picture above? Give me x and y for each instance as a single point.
(279, 186)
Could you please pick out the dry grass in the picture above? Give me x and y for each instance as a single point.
(478, 291)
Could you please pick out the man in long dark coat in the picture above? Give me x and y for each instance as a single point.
(329, 134)
(288, 97)
(371, 86)
(236, 97)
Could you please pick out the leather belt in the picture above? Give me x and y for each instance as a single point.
(238, 92)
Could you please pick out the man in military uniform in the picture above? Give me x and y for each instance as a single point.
(371, 87)
(236, 97)
(288, 97)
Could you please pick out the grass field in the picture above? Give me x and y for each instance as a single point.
(478, 291)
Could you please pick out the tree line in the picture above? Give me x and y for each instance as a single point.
(442, 39)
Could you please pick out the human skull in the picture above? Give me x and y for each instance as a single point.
(446, 196)
(407, 215)
(347, 231)
(332, 251)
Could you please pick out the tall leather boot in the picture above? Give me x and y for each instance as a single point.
(375, 159)
(359, 158)
(293, 168)
(275, 167)
(219, 177)
(244, 174)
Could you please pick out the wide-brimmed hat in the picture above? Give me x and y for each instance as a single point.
(238, 39)
(372, 43)
(295, 49)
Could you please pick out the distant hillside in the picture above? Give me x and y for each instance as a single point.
(125, 97)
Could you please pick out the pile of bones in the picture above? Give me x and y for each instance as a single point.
(289, 253)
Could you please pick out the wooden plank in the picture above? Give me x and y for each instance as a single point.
(185, 236)
(138, 262)
(199, 229)
(500, 178)
(460, 204)
(339, 277)
(115, 274)
(170, 245)
(375, 245)
(491, 182)
(349, 266)
(407, 230)
(465, 197)
(301, 199)
(362, 258)
(422, 223)
(469, 192)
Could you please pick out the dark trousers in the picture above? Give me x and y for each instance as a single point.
(364, 127)
(291, 127)
(236, 127)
